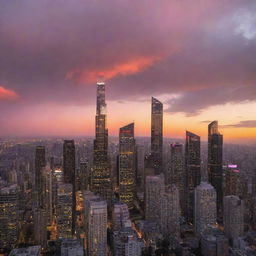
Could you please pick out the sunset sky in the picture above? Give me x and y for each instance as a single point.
(196, 56)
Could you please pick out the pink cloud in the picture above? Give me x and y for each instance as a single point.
(123, 69)
(6, 94)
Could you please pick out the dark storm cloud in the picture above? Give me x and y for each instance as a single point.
(202, 52)
(192, 103)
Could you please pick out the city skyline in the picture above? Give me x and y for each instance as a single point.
(199, 64)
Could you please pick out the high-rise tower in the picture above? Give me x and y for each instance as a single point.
(69, 161)
(101, 178)
(233, 217)
(176, 171)
(154, 190)
(69, 170)
(127, 178)
(215, 172)
(205, 210)
(193, 170)
(39, 177)
(157, 135)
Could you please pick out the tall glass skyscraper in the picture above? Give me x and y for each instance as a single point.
(157, 135)
(215, 172)
(39, 177)
(127, 177)
(193, 170)
(69, 170)
(101, 177)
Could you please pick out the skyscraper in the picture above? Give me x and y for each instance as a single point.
(127, 178)
(69, 171)
(157, 135)
(233, 181)
(205, 209)
(40, 204)
(97, 228)
(39, 176)
(193, 171)
(120, 215)
(140, 166)
(176, 171)
(170, 212)
(64, 210)
(215, 172)
(69, 161)
(8, 216)
(101, 175)
(233, 215)
(154, 190)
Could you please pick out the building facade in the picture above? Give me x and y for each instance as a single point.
(205, 209)
(215, 162)
(193, 171)
(157, 135)
(127, 175)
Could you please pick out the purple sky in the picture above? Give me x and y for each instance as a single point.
(198, 54)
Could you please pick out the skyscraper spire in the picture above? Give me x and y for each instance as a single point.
(101, 178)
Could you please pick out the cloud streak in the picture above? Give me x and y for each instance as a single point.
(241, 124)
(7, 95)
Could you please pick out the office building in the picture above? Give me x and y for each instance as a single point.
(170, 212)
(215, 171)
(214, 243)
(64, 210)
(176, 171)
(233, 217)
(120, 215)
(154, 190)
(29, 251)
(69, 172)
(205, 209)
(127, 176)
(69, 161)
(8, 216)
(193, 171)
(96, 219)
(140, 166)
(71, 247)
(39, 189)
(157, 135)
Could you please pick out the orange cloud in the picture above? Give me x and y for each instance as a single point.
(125, 68)
(6, 94)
